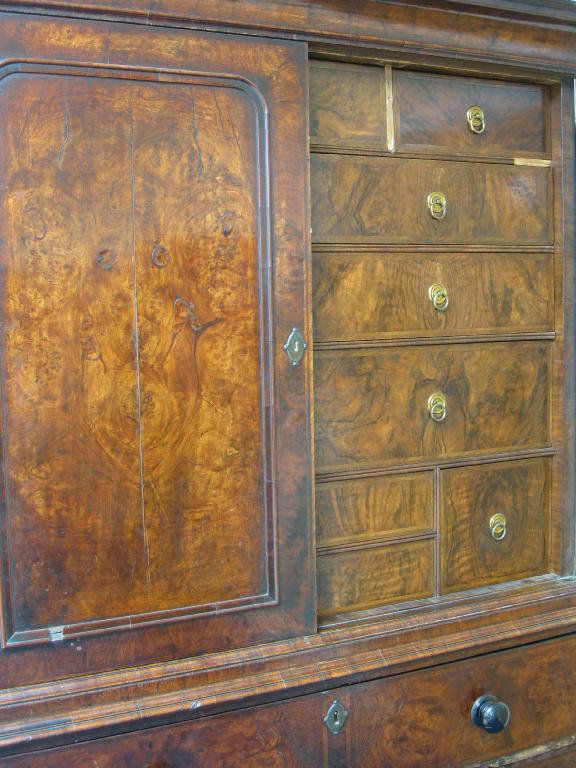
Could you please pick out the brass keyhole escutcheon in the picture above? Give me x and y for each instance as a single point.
(437, 407)
(476, 120)
(498, 527)
(438, 295)
(437, 205)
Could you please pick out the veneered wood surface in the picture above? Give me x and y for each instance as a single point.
(378, 295)
(537, 34)
(352, 511)
(430, 115)
(470, 496)
(371, 405)
(416, 719)
(139, 309)
(135, 469)
(384, 200)
(347, 105)
(286, 735)
(423, 719)
(363, 578)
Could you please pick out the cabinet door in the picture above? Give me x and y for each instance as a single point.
(155, 433)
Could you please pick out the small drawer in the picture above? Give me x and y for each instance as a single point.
(347, 106)
(423, 719)
(366, 296)
(368, 509)
(387, 200)
(378, 407)
(469, 117)
(358, 579)
(495, 522)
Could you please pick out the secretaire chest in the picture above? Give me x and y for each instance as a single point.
(287, 384)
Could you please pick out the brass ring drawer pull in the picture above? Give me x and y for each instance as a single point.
(498, 527)
(437, 407)
(476, 120)
(438, 296)
(437, 205)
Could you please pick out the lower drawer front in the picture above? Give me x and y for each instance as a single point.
(414, 720)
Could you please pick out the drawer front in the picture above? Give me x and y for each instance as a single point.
(414, 720)
(423, 718)
(285, 735)
(495, 522)
(355, 580)
(347, 105)
(372, 406)
(385, 200)
(432, 114)
(364, 296)
(368, 509)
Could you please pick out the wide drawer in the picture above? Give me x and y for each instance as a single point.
(469, 117)
(378, 295)
(372, 405)
(422, 719)
(414, 720)
(386, 200)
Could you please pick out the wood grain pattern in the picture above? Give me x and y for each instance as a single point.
(423, 719)
(371, 405)
(347, 105)
(430, 115)
(141, 388)
(364, 578)
(368, 509)
(124, 456)
(285, 735)
(364, 296)
(384, 200)
(483, 32)
(470, 557)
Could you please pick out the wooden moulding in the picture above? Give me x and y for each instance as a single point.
(510, 32)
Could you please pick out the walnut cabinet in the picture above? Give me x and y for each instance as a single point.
(287, 384)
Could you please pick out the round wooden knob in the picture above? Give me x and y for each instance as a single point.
(490, 714)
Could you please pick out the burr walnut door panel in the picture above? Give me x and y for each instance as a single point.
(153, 473)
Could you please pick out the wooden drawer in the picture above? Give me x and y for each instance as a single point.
(357, 579)
(374, 508)
(371, 405)
(385, 200)
(347, 105)
(414, 720)
(431, 115)
(285, 735)
(473, 553)
(378, 295)
(422, 719)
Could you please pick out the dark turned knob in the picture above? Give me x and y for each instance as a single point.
(490, 714)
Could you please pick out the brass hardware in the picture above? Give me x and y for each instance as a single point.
(476, 120)
(295, 346)
(498, 527)
(437, 407)
(437, 205)
(438, 296)
(336, 717)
